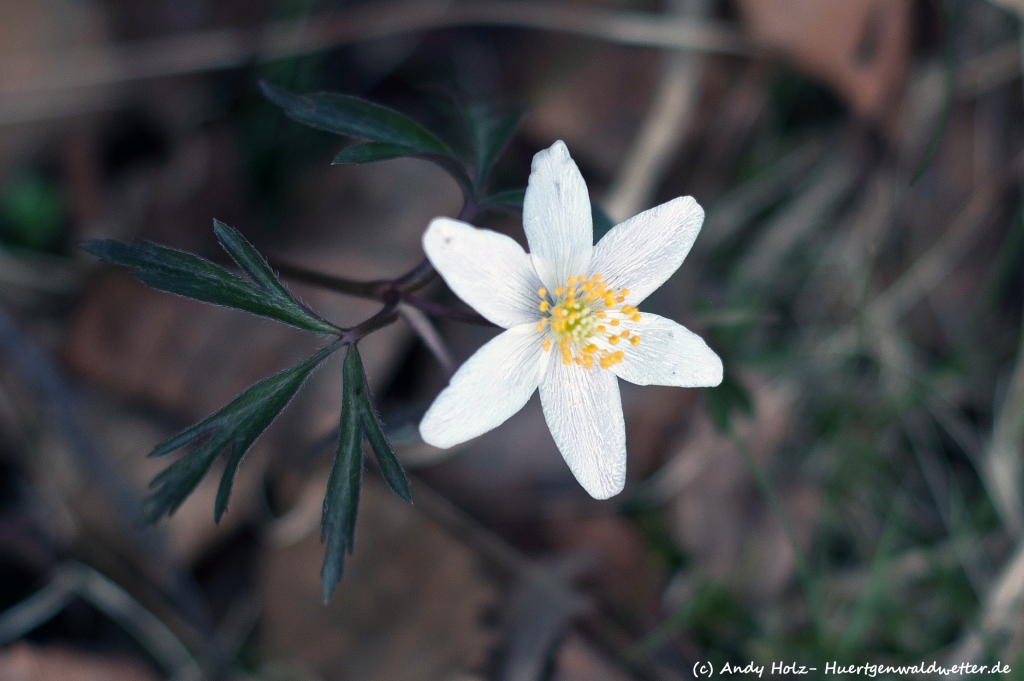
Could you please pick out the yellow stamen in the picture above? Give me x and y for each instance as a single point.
(584, 310)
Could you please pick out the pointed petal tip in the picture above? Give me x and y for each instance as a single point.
(604, 491)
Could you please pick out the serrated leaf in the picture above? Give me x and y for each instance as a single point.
(341, 502)
(354, 117)
(390, 467)
(249, 259)
(368, 152)
(188, 275)
(489, 133)
(236, 427)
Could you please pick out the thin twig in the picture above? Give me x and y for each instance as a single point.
(75, 579)
(232, 48)
(511, 561)
(45, 379)
(381, 289)
(659, 138)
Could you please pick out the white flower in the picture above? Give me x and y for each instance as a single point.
(573, 329)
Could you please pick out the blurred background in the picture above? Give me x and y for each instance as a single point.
(852, 492)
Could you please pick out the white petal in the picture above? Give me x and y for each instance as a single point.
(645, 250)
(584, 412)
(489, 271)
(556, 217)
(490, 387)
(668, 354)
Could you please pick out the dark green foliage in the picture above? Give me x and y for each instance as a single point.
(235, 427)
(341, 502)
(367, 152)
(510, 200)
(355, 117)
(31, 211)
(389, 133)
(188, 275)
(489, 134)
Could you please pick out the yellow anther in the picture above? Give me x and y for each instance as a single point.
(583, 309)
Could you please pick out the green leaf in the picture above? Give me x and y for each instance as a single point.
(354, 117)
(341, 503)
(508, 200)
(234, 427)
(188, 275)
(249, 259)
(368, 152)
(390, 467)
(338, 523)
(489, 133)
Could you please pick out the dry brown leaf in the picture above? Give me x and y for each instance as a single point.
(620, 567)
(719, 516)
(859, 47)
(596, 105)
(408, 608)
(578, 661)
(25, 662)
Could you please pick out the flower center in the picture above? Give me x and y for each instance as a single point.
(587, 321)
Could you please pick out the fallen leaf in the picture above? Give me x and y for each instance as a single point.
(861, 48)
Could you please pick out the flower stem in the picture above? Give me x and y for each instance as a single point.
(384, 317)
